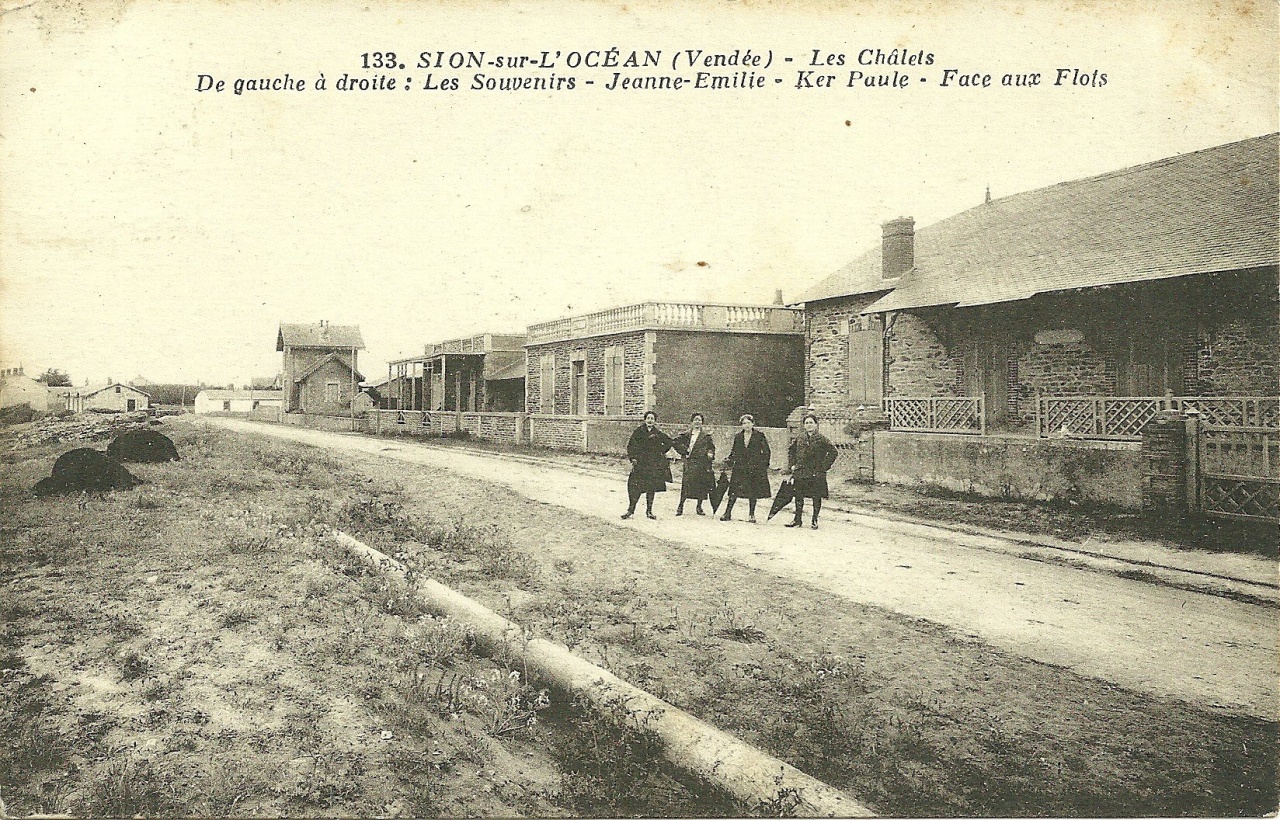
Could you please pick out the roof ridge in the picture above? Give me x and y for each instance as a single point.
(1119, 172)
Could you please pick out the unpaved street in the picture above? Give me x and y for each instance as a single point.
(1199, 648)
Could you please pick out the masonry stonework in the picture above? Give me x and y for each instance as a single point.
(1073, 369)
(918, 363)
(827, 354)
(1240, 358)
(593, 352)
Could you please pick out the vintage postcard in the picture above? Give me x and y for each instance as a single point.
(676, 408)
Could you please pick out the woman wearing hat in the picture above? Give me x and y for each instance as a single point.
(650, 471)
(749, 461)
(809, 458)
(699, 451)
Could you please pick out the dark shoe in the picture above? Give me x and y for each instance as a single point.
(628, 514)
(699, 511)
(796, 524)
(679, 512)
(651, 515)
(814, 525)
(752, 519)
(726, 517)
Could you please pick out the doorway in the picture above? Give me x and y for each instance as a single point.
(986, 374)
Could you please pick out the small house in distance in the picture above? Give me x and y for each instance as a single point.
(17, 388)
(482, 373)
(111, 398)
(320, 368)
(671, 357)
(237, 402)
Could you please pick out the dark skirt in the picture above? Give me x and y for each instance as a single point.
(697, 480)
(811, 486)
(745, 482)
(648, 479)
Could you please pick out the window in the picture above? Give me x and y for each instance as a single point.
(578, 386)
(547, 384)
(614, 384)
(331, 392)
(117, 388)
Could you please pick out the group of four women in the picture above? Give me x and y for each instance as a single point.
(809, 457)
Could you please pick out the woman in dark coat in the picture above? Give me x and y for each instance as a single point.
(749, 461)
(699, 451)
(650, 471)
(808, 459)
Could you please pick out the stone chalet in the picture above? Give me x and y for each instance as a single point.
(320, 369)
(483, 373)
(1079, 309)
(671, 357)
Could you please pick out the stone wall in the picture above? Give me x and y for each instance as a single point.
(1013, 467)
(918, 362)
(827, 326)
(558, 432)
(1239, 358)
(1068, 369)
(593, 350)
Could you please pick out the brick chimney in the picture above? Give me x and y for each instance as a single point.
(898, 247)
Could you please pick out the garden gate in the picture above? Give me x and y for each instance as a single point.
(1237, 471)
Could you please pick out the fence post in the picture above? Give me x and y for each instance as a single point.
(982, 416)
(1193, 461)
(1039, 428)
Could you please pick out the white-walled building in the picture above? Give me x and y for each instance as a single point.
(237, 401)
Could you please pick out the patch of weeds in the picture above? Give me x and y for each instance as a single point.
(437, 642)
(35, 746)
(148, 500)
(420, 774)
(1138, 575)
(372, 513)
(563, 566)
(784, 802)
(333, 782)
(735, 626)
(125, 626)
(614, 767)
(128, 787)
(394, 597)
(228, 786)
(235, 615)
(134, 665)
(248, 544)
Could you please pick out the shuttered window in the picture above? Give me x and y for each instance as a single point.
(547, 384)
(613, 381)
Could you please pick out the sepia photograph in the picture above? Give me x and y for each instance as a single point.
(672, 408)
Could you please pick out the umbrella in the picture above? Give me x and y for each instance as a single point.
(785, 495)
(718, 491)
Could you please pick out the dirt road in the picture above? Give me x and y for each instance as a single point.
(1203, 649)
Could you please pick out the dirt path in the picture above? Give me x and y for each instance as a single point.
(1199, 648)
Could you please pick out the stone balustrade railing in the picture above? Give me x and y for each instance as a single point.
(671, 315)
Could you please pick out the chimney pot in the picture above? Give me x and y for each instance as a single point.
(897, 246)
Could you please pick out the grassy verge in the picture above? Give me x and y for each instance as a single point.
(913, 718)
(197, 647)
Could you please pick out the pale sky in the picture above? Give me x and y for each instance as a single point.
(148, 229)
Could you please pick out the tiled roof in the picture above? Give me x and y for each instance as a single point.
(332, 357)
(91, 389)
(1207, 211)
(319, 335)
